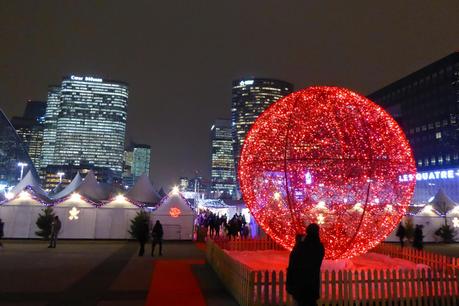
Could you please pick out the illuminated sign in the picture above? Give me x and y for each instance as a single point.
(174, 212)
(431, 175)
(455, 222)
(244, 83)
(73, 213)
(86, 79)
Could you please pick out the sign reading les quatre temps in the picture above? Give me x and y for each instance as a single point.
(447, 174)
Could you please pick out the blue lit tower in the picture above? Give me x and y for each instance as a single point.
(223, 179)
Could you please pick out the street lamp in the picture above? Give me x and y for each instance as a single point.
(60, 174)
(22, 165)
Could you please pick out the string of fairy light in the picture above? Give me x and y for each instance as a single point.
(327, 155)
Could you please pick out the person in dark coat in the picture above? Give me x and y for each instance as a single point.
(143, 237)
(401, 234)
(418, 237)
(303, 271)
(157, 238)
(2, 225)
(55, 229)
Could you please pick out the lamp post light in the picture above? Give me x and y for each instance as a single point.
(22, 165)
(60, 174)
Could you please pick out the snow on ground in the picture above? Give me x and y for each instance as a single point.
(278, 260)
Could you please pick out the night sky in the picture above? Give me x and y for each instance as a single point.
(180, 57)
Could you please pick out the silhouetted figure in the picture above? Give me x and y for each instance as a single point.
(418, 238)
(303, 272)
(143, 237)
(401, 234)
(2, 225)
(157, 238)
(55, 228)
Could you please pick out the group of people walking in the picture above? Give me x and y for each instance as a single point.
(156, 234)
(417, 236)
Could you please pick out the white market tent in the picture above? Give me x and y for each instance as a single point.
(90, 188)
(143, 192)
(28, 181)
(20, 212)
(70, 188)
(115, 216)
(432, 216)
(176, 217)
(84, 193)
(442, 203)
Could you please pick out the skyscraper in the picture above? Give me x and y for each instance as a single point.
(30, 128)
(53, 105)
(426, 105)
(250, 97)
(128, 178)
(85, 123)
(136, 163)
(222, 160)
(140, 160)
(13, 155)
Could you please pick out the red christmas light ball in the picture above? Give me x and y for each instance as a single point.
(327, 155)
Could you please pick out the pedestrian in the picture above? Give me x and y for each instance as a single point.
(418, 238)
(303, 271)
(2, 225)
(157, 238)
(55, 228)
(143, 236)
(401, 234)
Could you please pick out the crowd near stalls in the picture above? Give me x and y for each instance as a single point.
(87, 209)
(210, 224)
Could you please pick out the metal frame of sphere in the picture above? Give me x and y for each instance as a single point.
(329, 156)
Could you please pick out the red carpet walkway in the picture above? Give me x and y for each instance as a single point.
(173, 283)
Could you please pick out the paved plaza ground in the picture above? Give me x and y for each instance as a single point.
(111, 273)
(104, 273)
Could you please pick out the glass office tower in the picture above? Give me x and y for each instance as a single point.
(426, 105)
(85, 123)
(140, 160)
(30, 127)
(50, 125)
(250, 97)
(12, 154)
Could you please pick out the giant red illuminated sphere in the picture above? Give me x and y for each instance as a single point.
(327, 155)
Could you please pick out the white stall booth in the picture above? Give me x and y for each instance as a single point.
(176, 217)
(20, 215)
(21, 208)
(114, 218)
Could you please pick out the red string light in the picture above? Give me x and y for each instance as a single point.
(330, 156)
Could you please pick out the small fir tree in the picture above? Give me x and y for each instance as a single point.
(447, 233)
(137, 229)
(44, 222)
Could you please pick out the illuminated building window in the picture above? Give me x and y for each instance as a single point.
(438, 135)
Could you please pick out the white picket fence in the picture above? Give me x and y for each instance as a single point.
(436, 286)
